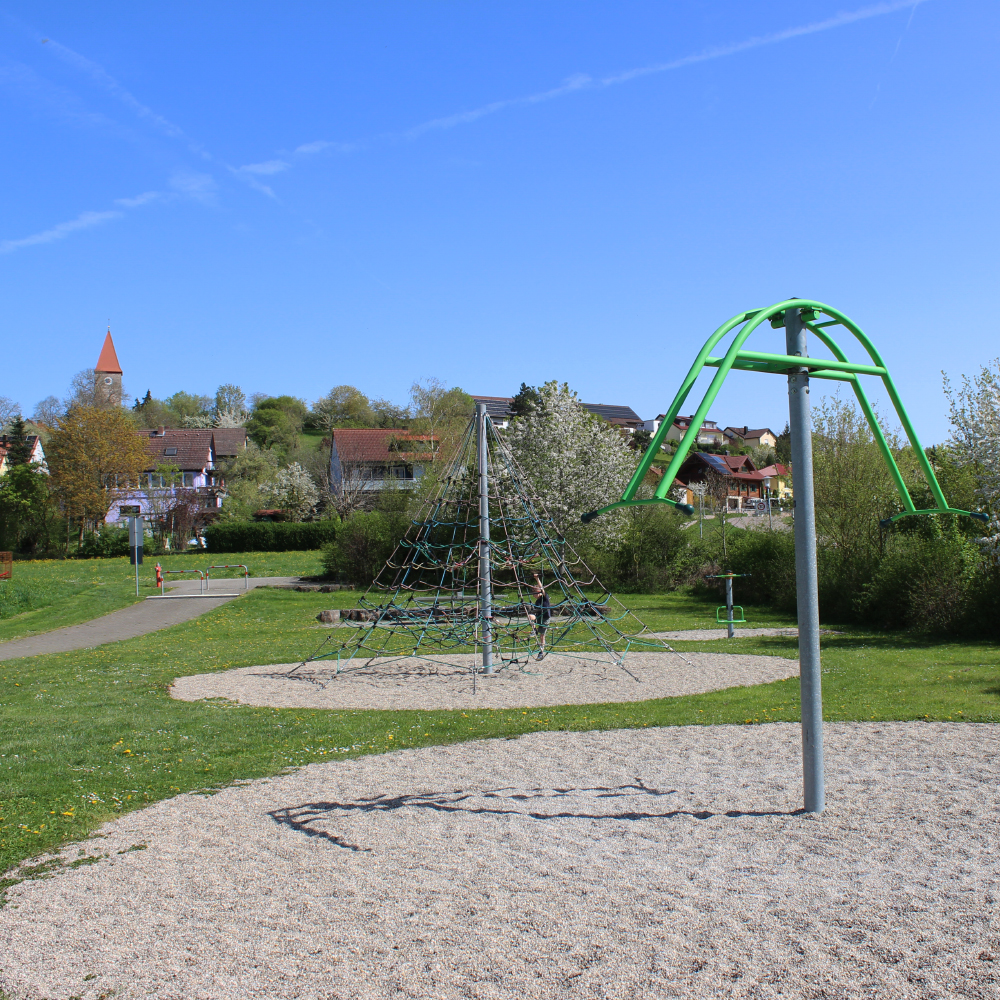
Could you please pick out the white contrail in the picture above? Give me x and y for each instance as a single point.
(104, 79)
(83, 221)
(584, 82)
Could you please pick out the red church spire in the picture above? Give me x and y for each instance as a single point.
(108, 361)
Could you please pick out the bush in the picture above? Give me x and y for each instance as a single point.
(104, 544)
(652, 554)
(268, 536)
(363, 545)
(935, 584)
(769, 558)
(925, 584)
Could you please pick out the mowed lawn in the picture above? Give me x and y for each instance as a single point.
(88, 735)
(47, 594)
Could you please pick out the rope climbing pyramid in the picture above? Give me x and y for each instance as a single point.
(483, 569)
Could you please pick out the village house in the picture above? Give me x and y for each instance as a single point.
(184, 459)
(36, 453)
(781, 480)
(498, 408)
(744, 483)
(709, 434)
(747, 437)
(376, 459)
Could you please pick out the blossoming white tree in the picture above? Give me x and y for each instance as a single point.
(975, 422)
(575, 461)
(295, 492)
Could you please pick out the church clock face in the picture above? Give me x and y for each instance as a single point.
(107, 380)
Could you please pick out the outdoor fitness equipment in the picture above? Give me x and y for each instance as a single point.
(464, 577)
(797, 316)
(729, 608)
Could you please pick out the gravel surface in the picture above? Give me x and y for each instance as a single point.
(447, 683)
(649, 863)
(709, 634)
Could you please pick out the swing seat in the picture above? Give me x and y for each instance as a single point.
(738, 616)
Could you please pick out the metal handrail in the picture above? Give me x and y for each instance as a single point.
(246, 574)
(201, 577)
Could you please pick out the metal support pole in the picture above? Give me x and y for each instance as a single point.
(806, 573)
(729, 606)
(485, 584)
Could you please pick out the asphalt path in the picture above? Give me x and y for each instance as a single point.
(180, 605)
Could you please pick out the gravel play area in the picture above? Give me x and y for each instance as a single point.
(447, 683)
(640, 863)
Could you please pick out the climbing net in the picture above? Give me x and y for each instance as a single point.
(425, 601)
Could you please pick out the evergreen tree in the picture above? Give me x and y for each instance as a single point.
(18, 447)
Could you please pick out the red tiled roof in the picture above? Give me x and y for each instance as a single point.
(193, 448)
(189, 449)
(736, 462)
(108, 361)
(374, 444)
(229, 441)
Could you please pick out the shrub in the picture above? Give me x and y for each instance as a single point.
(363, 545)
(104, 544)
(769, 558)
(925, 584)
(650, 555)
(268, 536)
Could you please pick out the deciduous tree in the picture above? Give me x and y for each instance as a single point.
(97, 460)
(575, 461)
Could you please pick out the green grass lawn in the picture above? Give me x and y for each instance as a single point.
(58, 592)
(88, 735)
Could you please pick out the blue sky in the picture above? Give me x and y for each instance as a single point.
(294, 196)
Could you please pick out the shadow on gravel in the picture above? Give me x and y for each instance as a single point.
(310, 817)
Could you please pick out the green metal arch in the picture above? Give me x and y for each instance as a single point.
(841, 370)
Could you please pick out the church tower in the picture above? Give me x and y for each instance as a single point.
(108, 375)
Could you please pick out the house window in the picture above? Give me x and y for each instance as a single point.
(169, 451)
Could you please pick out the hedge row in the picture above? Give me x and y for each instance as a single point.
(268, 536)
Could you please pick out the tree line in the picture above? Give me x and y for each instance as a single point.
(95, 459)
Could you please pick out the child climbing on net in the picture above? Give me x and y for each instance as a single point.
(542, 613)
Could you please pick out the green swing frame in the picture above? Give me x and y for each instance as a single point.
(817, 318)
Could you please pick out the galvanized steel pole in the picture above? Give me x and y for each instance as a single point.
(485, 583)
(806, 573)
(729, 607)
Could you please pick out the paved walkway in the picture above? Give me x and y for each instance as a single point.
(146, 616)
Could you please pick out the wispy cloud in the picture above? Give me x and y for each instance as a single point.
(199, 187)
(139, 199)
(268, 167)
(59, 232)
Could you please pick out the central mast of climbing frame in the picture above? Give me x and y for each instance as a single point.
(485, 583)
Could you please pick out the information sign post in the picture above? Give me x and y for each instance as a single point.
(136, 530)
